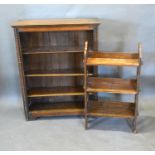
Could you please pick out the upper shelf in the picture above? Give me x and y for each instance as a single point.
(54, 22)
(112, 85)
(51, 50)
(113, 59)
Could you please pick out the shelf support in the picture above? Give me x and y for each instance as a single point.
(21, 72)
(138, 88)
(85, 84)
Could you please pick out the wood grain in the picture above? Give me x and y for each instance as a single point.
(113, 59)
(112, 85)
(55, 22)
(51, 54)
(55, 91)
(56, 109)
(111, 109)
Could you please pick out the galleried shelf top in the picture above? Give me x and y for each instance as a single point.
(54, 22)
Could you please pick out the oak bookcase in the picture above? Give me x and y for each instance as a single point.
(97, 83)
(58, 60)
(50, 58)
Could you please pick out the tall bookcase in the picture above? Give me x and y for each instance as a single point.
(50, 58)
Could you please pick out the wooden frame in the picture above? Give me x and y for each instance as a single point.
(57, 75)
(50, 60)
(97, 108)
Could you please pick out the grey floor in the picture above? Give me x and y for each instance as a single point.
(69, 134)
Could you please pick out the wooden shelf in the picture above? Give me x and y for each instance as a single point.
(58, 72)
(52, 50)
(56, 109)
(113, 59)
(112, 85)
(56, 91)
(56, 22)
(111, 109)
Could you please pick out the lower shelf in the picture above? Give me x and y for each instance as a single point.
(111, 109)
(56, 109)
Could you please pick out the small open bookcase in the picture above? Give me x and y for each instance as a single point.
(96, 84)
(50, 57)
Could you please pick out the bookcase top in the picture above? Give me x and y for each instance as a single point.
(54, 22)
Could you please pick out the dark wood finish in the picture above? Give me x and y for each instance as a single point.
(52, 50)
(55, 91)
(55, 28)
(111, 109)
(21, 72)
(113, 59)
(56, 109)
(111, 85)
(56, 25)
(56, 72)
(138, 88)
(85, 84)
(50, 54)
(56, 22)
(92, 84)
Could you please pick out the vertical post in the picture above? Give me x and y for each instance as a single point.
(95, 38)
(21, 73)
(85, 84)
(138, 87)
(95, 47)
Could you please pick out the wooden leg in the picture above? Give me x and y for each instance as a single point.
(86, 122)
(30, 118)
(135, 125)
(86, 108)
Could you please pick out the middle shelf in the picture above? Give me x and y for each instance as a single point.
(56, 91)
(55, 72)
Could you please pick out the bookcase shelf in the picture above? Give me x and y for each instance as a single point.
(111, 109)
(55, 91)
(52, 50)
(113, 59)
(56, 109)
(55, 72)
(112, 85)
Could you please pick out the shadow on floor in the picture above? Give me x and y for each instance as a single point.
(145, 124)
(109, 124)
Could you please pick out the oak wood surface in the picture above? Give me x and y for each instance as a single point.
(56, 109)
(54, 22)
(51, 52)
(92, 85)
(55, 91)
(113, 59)
(111, 109)
(56, 72)
(111, 85)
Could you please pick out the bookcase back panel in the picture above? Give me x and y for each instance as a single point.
(53, 61)
(55, 40)
(57, 99)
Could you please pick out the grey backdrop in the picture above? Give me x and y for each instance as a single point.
(123, 26)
